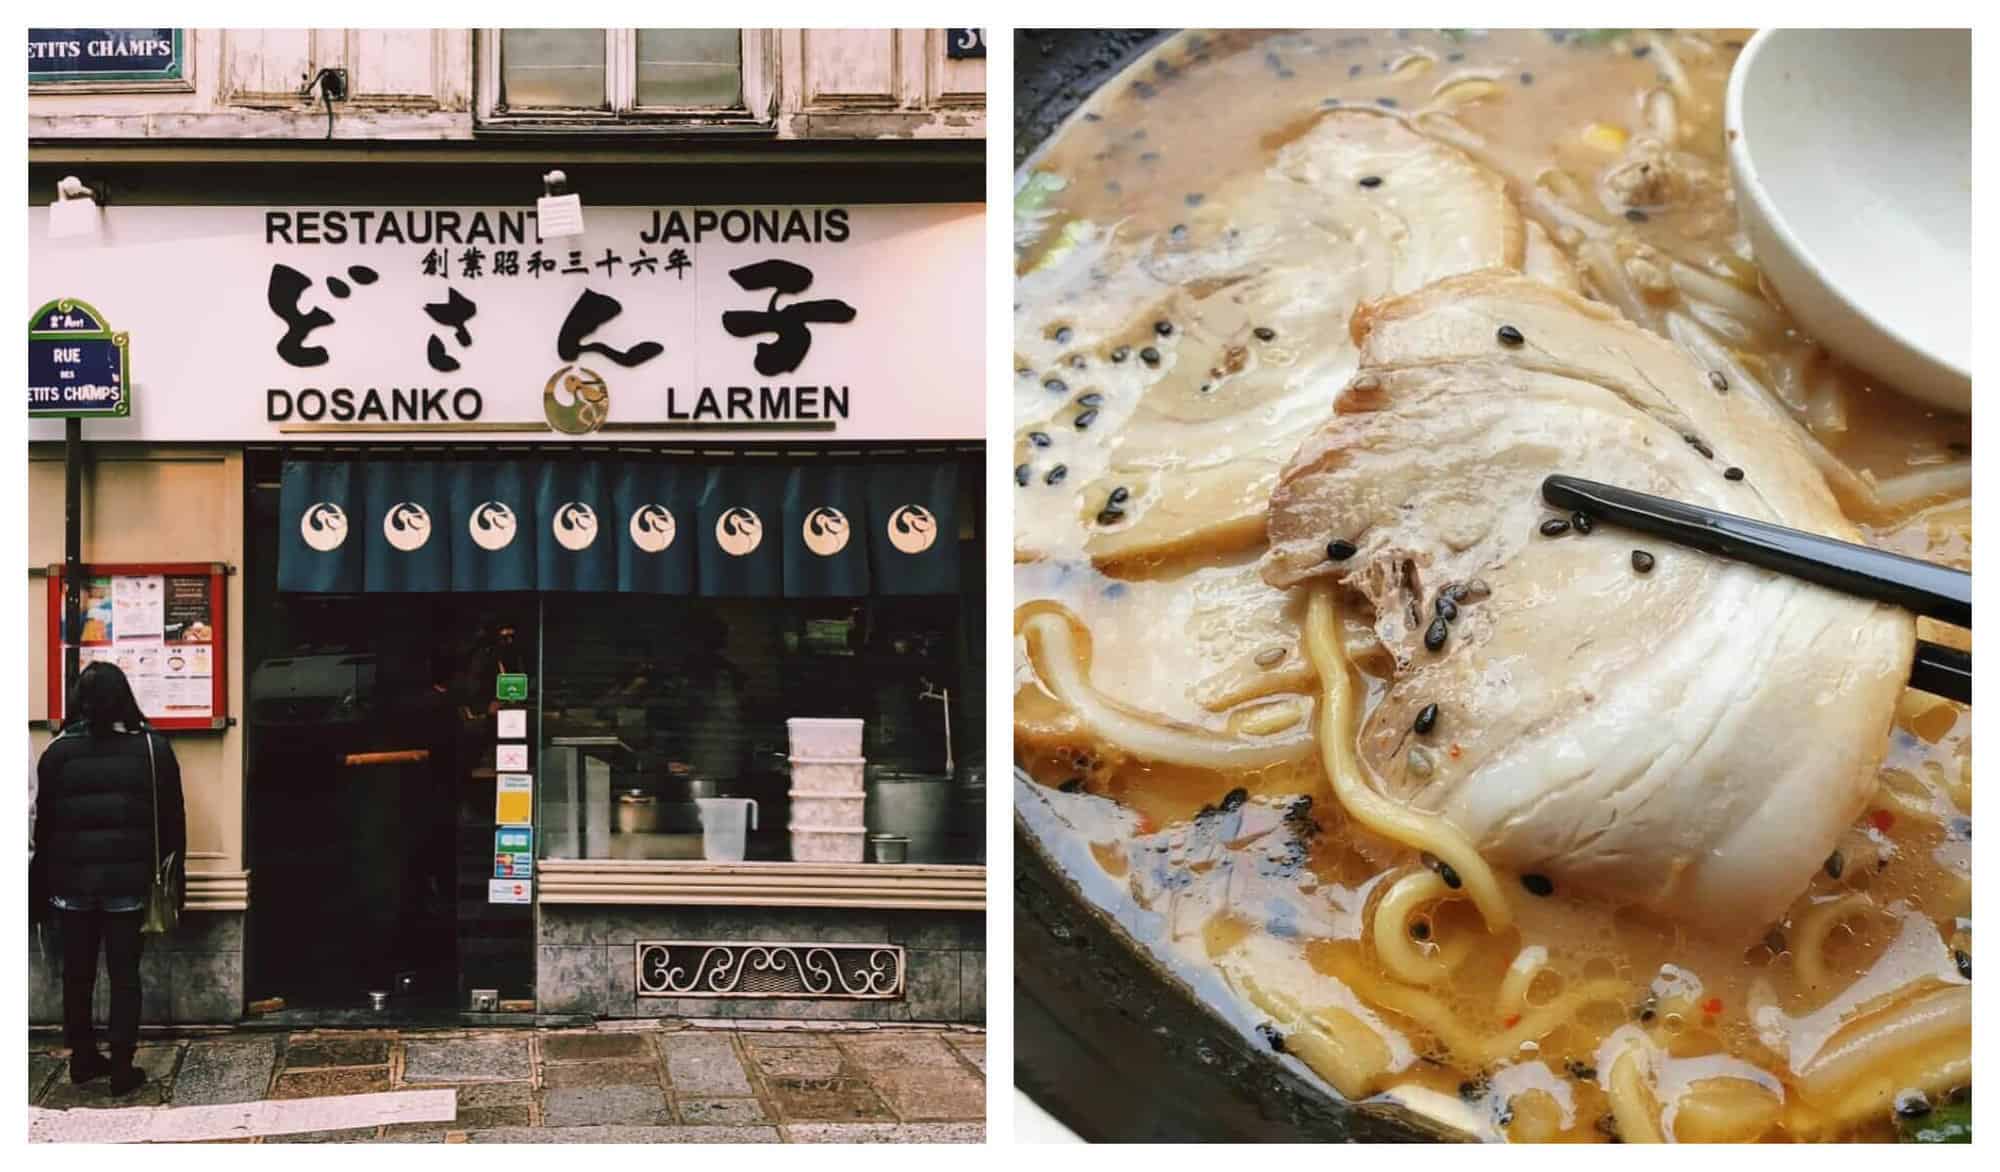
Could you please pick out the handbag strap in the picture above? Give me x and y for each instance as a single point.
(153, 771)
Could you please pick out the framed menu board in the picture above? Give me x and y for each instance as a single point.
(164, 625)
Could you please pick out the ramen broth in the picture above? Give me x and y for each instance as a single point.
(1581, 1020)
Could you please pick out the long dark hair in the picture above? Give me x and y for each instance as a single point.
(101, 699)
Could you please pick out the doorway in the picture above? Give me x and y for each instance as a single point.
(370, 795)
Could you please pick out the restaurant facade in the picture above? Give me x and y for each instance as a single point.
(494, 574)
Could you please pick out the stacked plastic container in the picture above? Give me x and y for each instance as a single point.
(828, 795)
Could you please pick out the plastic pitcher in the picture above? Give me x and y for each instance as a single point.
(725, 823)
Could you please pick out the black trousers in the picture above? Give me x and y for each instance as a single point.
(118, 934)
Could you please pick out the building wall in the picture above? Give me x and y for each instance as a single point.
(586, 962)
(425, 84)
(158, 505)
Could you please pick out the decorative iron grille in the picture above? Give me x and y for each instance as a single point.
(711, 968)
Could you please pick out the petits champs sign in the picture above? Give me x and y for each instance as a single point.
(855, 322)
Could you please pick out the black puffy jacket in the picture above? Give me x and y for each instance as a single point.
(94, 814)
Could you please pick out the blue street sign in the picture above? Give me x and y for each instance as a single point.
(77, 366)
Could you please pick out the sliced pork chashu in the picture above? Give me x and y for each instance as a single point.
(1693, 738)
(1246, 305)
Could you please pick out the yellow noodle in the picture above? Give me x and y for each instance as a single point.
(1722, 1111)
(1528, 964)
(1400, 954)
(1053, 651)
(1932, 1073)
(1631, 1103)
(1919, 1025)
(1424, 832)
(1335, 1043)
(1469, 1047)
(1809, 935)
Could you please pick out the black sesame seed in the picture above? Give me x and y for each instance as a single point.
(1471, 1089)
(1436, 634)
(1149, 157)
(1446, 608)
(1055, 386)
(1073, 786)
(1110, 516)
(1959, 829)
(1912, 1104)
(1732, 473)
(1093, 399)
(1078, 362)
(1581, 1071)
(1150, 356)
(1023, 474)
(1024, 372)
(1775, 941)
(1963, 960)
(1178, 233)
(1450, 877)
(1420, 929)
(1338, 550)
(1835, 864)
(1538, 885)
(1271, 1036)
(1193, 199)
(1235, 798)
(1056, 474)
(1386, 103)
(1121, 353)
(1084, 420)
(1119, 495)
(1264, 333)
(1527, 79)
(1063, 334)
(1642, 561)
(1636, 215)
(1163, 328)
(1509, 336)
(1427, 719)
(1642, 50)
(1039, 438)
(1371, 181)
(1716, 380)
(1354, 71)
(1554, 527)
(1580, 522)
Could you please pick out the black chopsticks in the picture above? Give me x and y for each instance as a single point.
(1924, 588)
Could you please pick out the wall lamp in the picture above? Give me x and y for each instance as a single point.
(77, 207)
(559, 212)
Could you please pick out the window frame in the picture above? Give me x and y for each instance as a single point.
(623, 113)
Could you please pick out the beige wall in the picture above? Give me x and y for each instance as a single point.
(165, 505)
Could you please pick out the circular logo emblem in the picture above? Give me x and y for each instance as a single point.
(576, 400)
(407, 526)
(738, 531)
(825, 531)
(575, 526)
(652, 528)
(492, 525)
(324, 526)
(912, 529)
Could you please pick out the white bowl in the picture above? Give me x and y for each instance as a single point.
(1851, 153)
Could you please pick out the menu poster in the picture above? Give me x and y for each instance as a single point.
(159, 628)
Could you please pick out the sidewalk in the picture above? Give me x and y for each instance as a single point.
(672, 1082)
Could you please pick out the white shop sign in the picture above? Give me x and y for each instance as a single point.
(846, 322)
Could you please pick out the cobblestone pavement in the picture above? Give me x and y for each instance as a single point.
(663, 1083)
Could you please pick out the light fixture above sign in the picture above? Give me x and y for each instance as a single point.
(76, 210)
(559, 212)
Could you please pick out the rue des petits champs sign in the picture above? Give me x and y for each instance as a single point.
(861, 322)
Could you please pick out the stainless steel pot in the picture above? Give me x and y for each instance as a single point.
(638, 813)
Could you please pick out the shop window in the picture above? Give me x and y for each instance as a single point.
(637, 77)
(651, 704)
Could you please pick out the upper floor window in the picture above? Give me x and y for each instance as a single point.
(531, 76)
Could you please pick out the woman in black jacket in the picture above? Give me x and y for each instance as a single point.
(94, 841)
